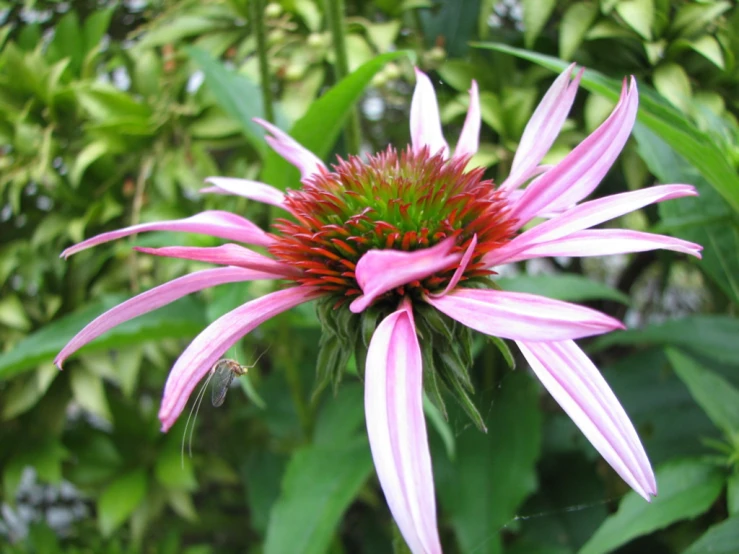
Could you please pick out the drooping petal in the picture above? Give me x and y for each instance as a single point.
(581, 170)
(542, 129)
(226, 254)
(215, 223)
(606, 242)
(205, 350)
(521, 316)
(577, 385)
(380, 271)
(469, 138)
(156, 298)
(584, 216)
(425, 121)
(253, 190)
(287, 147)
(463, 263)
(393, 403)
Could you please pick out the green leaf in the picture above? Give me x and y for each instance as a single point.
(692, 17)
(181, 319)
(23, 394)
(493, 472)
(708, 47)
(718, 397)
(89, 392)
(573, 288)
(91, 153)
(638, 14)
(721, 538)
(696, 146)
(341, 417)
(437, 421)
(319, 128)
(320, 483)
(238, 95)
(706, 219)
(687, 488)
(172, 470)
(174, 31)
(713, 336)
(120, 499)
(732, 494)
(576, 21)
(536, 13)
(673, 83)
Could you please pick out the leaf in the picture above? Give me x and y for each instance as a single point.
(437, 421)
(673, 83)
(89, 154)
(341, 417)
(706, 219)
(171, 470)
(687, 487)
(493, 472)
(536, 13)
(174, 31)
(238, 95)
(718, 397)
(732, 494)
(120, 499)
(576, 21)
(23, 394)
(181, 319)
(708, 47)
(697, 147)
(573, 288)
(638, 14)
(319, 128)
(319, 484)
(713, 336)
(89, 393)
(721, 538)
(693, 17)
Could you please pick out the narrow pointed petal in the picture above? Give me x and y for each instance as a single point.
(156, 298)
(287, 147)
(425, 121)
(543, 128)
(393, 403)
(469, 138)
(581, 170)
(521, 316)
(208, 347)
(586, 215)
(606, 242)
(253, 190)
(215, 223)
(463, 263)
(226, 254)
(380, 271)
(577, 385)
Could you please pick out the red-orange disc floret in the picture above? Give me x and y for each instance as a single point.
(404, 202)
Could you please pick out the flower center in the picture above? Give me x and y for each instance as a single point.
(405, 201)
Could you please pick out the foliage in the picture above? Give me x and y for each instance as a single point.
(114, 113)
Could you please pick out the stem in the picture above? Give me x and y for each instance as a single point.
(257, 17)
(334, 10)
(138, 202)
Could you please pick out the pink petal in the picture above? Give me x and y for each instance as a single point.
(586, 215)
(156, 298)
(606, 242)
(287, 147)
(206, 349)
(576, 384)
(215, 223)
(379, 271)
(226, 254)
(464, 262)
(393, 403)
(521, 316)
(425, 122)
(469, 138)
(582, 169)
(253, 190)
(543, 128)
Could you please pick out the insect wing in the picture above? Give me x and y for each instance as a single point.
(223, 375)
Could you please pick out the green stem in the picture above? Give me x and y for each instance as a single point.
(334, 11)
(257, 17)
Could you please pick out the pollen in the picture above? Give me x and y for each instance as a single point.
(403, 201)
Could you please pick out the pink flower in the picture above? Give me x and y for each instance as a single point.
(409, 239)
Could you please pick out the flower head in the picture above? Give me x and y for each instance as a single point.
(399, 249)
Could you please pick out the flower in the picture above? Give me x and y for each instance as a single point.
(398, 251)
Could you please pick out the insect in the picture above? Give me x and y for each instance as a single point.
(221, 375)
